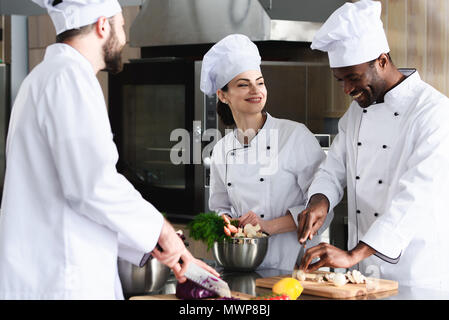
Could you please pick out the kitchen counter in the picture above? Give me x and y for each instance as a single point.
(246, 282)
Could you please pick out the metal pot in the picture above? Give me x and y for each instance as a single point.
(240, 254)
(138, 281)
(242, 281)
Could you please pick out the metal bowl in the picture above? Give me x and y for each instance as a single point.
(138, 281)
(240, 254)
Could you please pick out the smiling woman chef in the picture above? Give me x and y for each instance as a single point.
(66, 212)
(260, 172)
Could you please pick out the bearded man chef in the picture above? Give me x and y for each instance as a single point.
(392, 154)
(66, 212)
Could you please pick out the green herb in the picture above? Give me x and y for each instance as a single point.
(235, 222)
(207, 227)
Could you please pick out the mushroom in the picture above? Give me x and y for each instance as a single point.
(249, 230)
(329, 276)
(350, 277)
(339, 279)
(358, 276)
(301, 275)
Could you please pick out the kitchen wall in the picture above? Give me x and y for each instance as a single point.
(418, 35)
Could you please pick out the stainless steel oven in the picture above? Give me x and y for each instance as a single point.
(158, 116)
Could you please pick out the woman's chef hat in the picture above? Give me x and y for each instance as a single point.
(353, 34)
(226, 59)
(74, 14)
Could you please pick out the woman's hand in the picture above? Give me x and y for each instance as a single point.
(252, 218)
(278, 225)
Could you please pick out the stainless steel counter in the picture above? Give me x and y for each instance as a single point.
(246, 282)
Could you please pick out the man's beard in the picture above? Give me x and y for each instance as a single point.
(376, 92)
(112, 55)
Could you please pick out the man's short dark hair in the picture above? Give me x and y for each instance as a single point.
(69, 34)
(371, 63)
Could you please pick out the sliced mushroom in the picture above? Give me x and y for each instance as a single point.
(300, 275)
(358, 276)
(350, 277)
(329, 276)
(339, 279)
(320, 278)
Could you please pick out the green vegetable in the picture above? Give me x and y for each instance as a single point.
(235, 222)
(207, 227)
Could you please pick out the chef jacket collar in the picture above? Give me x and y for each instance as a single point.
(401, 91)
(266, 126)
(69, 51)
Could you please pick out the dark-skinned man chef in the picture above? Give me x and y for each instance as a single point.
(392, 155)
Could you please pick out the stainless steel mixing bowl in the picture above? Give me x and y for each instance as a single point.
(241, 254)
(139, 281)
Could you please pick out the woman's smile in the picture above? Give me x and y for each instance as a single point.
(254, 99)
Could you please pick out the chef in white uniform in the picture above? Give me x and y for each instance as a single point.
(392, 154)
(66, 212)
(261, 170)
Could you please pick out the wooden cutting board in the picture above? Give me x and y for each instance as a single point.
(375, 288)
(234, 294)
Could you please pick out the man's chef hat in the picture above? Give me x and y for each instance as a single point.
(226, 59)
(74, 14)
(353, 34)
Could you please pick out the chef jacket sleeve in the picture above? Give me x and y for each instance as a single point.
(76, 126)
(419, 190)
(330, 179)
(127, 252)
(306, 156)
(218, 198)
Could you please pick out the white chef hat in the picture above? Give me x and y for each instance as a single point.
(353, 34)
(73, 14)
(229, 57)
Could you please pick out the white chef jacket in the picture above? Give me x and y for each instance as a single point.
(394, 159)
(269, 177)
(66, 212)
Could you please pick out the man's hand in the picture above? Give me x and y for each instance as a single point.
(312, 218)
(174, 250)
(329, 255)
(333, 257)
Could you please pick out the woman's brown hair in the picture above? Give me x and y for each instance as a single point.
(224, 111)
